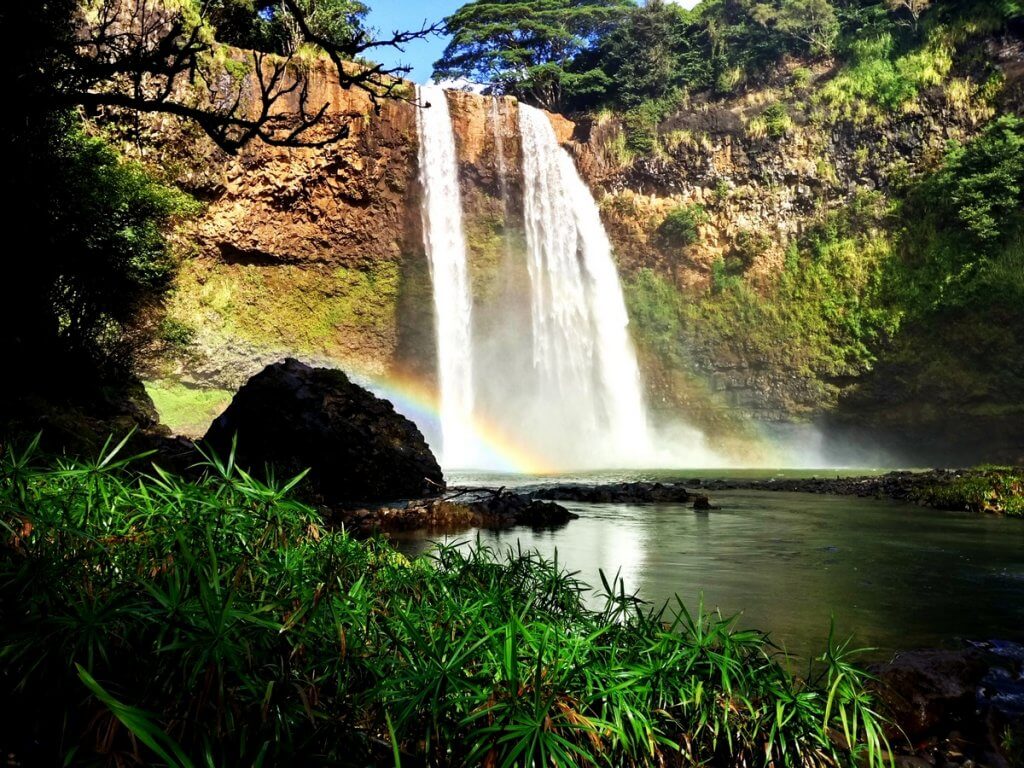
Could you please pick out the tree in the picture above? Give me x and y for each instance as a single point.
(162, 56)
(268, 25)
(653, 51)
(525, 47)
(813, 22)
(914, 7)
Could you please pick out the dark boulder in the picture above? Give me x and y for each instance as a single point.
(291, 416)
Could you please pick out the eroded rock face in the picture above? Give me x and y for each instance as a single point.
(293, 417)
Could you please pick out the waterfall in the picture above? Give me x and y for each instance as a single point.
(544, 359)
(445, 246)
(583, 357)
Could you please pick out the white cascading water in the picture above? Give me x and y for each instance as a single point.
(446, 253)
(583, 356)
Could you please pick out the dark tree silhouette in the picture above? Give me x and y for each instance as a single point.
(152, 56)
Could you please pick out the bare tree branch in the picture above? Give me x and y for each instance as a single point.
(146, 56)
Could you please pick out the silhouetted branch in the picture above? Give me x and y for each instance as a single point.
(139, 55)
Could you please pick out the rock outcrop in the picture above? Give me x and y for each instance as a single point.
(357, 449)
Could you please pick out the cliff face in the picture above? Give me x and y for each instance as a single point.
(311, 251)
(318, 253)
(773, 310)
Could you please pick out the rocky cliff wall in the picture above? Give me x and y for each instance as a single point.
(318, 253)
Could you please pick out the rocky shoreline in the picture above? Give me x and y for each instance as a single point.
(998, 490)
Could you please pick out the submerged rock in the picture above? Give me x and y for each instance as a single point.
(358, 449)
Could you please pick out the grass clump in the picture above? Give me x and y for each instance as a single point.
(774, 122)
(217, 621)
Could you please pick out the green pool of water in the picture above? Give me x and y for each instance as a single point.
(895, 576)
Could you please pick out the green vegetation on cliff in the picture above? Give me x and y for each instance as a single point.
(218, 622)
(187, 410)
(822, 316)
(892, 50)
(308, 309)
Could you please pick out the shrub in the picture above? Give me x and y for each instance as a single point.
(680, 226)
(774, 123)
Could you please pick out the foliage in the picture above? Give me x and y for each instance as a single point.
(268, 25)
(962, 243)
(97, 226)
(983, 489)
(812, 22)
(523, 47)
(982, 183)
(218, 622)
(774, 122)
(958, 283)
(824, 316)
(648, 55)
(319, 311)
(679, 228)
(880, 80)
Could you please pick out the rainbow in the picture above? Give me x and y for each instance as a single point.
(417, 400)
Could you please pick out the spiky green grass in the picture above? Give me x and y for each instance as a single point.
(216, 621)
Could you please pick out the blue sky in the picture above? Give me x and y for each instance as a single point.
(386, 16)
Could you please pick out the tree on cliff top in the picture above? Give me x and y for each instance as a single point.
(268, 25)
(162, 56)
(525, 47)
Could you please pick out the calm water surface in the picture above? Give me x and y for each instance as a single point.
(895, 576)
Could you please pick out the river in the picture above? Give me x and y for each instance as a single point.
(893, 575)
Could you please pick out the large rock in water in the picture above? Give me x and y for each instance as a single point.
(291, 416)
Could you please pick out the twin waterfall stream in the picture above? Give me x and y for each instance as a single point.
(553, 371)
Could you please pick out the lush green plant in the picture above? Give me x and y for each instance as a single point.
(982, 183)
(97, 225)
(680, 227)
(773, 122)
(983, 489)
(268, 25)
(216, 621)
(811, 22)
(525, 48)
(961, 240)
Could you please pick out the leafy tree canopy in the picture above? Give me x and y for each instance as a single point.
(654, 49)
(268, 25)
(525, 47)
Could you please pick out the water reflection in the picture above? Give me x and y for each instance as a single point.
(895, 576)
